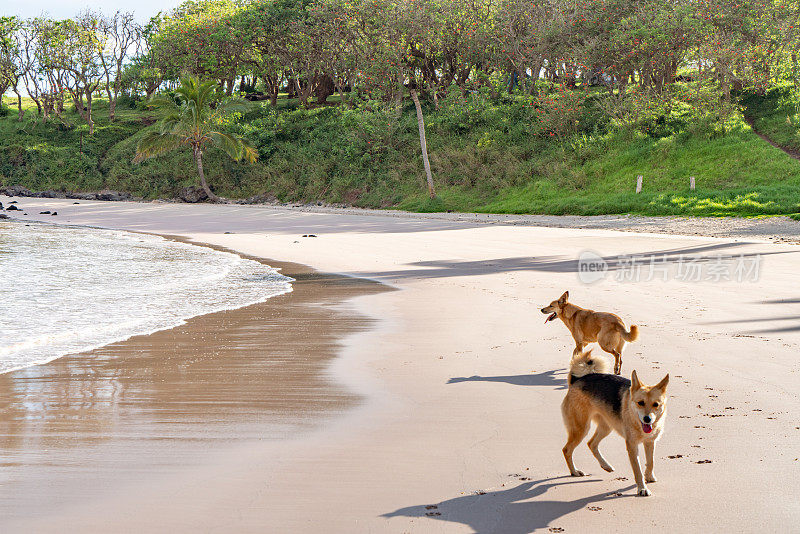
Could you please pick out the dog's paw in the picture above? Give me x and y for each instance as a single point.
(644, 492)
(577, 473)
(650, 478)
(608, 467)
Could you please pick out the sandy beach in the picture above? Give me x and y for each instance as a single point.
(430, 408)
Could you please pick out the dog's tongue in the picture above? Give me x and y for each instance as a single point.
(647, 428)
(550, 317)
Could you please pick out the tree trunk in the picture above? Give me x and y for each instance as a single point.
(89, 111)
(38, 105)
(198, 158)
(19, 105)
(423, 143)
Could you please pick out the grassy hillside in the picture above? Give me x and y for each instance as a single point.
(485, 155)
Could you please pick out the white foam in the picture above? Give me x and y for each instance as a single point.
(67, 290)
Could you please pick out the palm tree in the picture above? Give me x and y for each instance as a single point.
(191, 123)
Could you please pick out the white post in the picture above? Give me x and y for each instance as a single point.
(691, 183)
(639, 183)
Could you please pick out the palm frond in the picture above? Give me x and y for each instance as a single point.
(249, 152)
(155, 143)
(229, 144)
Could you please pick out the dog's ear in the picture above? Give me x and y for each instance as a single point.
(663, 384)
(564, 297)
(635, 384)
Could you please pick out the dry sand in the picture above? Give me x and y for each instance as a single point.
(458, 428)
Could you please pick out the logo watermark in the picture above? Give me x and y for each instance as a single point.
(592, 267)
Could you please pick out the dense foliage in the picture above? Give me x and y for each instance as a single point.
(526, 100)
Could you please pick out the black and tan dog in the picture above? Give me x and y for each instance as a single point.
(635, 411)
(588, 326)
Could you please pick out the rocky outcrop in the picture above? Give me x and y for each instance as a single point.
(15, 191)
(192, 194)
(105, 194)
(12, 207)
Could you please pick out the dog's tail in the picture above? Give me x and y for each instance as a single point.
(584, 364)
(633, 335)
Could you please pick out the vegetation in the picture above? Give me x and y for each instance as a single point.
(191, 123)
(550, 107)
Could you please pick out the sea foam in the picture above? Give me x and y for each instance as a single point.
(67, 290)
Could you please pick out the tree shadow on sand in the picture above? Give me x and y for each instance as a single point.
(563, 264)
(510, 511)
(556, 378)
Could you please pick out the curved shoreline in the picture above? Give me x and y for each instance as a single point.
(166, 321)
(142, 409)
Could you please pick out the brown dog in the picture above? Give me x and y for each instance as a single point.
(587, 326)
(635, 411)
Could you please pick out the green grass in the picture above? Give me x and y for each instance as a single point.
(777, 115)
(484, 155)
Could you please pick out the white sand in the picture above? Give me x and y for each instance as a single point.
(462, 384)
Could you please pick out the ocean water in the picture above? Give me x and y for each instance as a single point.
(66, 289)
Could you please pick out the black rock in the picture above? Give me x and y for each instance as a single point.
(3, 216)
(13, 202)
(54, 213)
(12, 208)
(1, 205)
(15, 191)
(51, 194)
(76, 202)
(44, 213)
(83, 196)
(192, 194)
(107, 194)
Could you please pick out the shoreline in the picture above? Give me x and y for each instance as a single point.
(465, 434)
(156, 405)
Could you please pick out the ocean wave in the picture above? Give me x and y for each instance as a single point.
(69, 290)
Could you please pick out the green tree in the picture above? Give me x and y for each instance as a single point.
(193, 123)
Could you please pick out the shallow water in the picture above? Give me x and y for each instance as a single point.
(71, 289)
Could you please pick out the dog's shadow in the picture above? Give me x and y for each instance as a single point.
(556, 378)
(514, 510)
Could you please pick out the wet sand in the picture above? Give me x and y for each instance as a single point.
(458, 428)
(120, 418)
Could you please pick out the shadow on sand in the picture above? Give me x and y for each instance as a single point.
(516, 510)
(556, 378)
(561, 264)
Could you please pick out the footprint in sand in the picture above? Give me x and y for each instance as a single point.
(556, 529)
(431, 507)
(621, 478)
(703, 462)
(594, 508)
(433, 514)
(673, 456)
